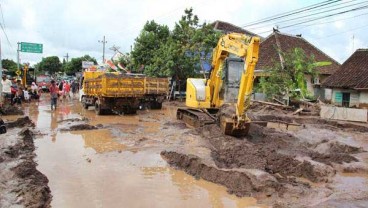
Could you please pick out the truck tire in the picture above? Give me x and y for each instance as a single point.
(84, 104)
(156, 105)
(98, 109)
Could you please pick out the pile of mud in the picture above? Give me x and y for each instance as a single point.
(79, 127)
(21, 184)
(329, 124)
(20, 122)
(11, 110)
(265, 161)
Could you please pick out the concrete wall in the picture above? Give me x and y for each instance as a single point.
(345, 114)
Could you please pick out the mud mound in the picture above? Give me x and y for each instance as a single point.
(179, 125)
(11, 110)
(79, 127)
(273, 152)
(237, 182)
(260, 108)
(322, 123)
(21, 122)
(21, 180)
(336, 147)
(73, 120)
(333, 158)
(36, 192)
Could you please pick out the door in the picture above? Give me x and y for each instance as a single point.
(345, 99)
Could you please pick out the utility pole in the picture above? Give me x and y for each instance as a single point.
(18, 55)
(67, 57)
(103, 48)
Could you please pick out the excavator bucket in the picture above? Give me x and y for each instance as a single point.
(229, 127)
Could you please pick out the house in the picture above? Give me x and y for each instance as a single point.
(349, 84)
(225, 27)
(269, 54)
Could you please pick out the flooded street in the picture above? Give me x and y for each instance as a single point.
(119, 165)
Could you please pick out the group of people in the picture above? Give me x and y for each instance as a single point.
(14, 92)
(62, 91)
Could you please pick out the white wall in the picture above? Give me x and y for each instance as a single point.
(363, 98)
(309, 84)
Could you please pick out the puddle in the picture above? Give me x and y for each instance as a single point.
(98, 168)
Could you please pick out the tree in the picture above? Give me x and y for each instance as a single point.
(50, 64)
(75, 65)
(9, 65)
(289, 77)
(180, 54)
(150, 39)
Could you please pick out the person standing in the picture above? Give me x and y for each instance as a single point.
(74, 87)
(6, 93)
(54, 91)
(66, 89)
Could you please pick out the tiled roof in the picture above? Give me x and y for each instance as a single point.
(269, 55)
(353, 73)
(226, 27)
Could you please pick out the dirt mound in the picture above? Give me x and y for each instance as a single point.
(333, 158)
(310, 120)
(273, 152)
(260, 108)
(79, 127)
(36, 193)
(11, 110)
(179, 125)
(237, 182)
(22, 184)
(21, 122)
(73, 120)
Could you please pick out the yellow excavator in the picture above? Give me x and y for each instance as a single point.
(224, 97)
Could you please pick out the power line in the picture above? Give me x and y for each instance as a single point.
(3, 28)
(322, 23)
(1, 25)
(314, 14)
(311, 20)
(346, 31)
(281, 15)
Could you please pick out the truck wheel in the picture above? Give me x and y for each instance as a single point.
(98, 109)
(156, 105)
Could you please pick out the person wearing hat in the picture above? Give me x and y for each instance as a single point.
(6, 92)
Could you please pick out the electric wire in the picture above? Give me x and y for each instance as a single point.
(309, 15)
(322, 23)
(3, 28)
(297, 11)
(318, 18)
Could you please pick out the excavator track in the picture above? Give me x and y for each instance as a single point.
(195, 117)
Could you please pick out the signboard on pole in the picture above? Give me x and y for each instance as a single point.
(87, 64)
(31, 47)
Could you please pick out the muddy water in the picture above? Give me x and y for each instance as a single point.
(119, 165)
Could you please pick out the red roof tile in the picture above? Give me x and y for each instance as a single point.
(353, 73)
(268, 51)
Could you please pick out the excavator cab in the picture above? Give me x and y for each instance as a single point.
(231, 80)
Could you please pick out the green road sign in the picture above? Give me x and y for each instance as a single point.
(31, 47)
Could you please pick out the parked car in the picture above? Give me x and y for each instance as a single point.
(43, 82)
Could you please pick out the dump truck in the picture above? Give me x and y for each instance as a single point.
(122, 93)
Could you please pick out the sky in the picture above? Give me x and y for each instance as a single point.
(75, 27)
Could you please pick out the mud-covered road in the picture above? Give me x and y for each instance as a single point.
(153, 160)
(116, 161)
